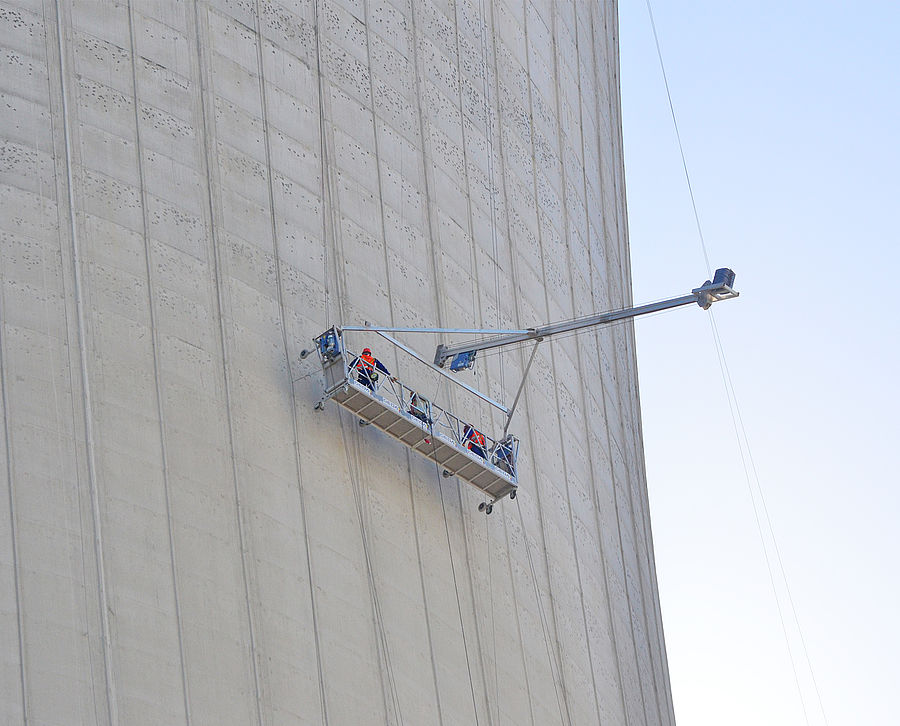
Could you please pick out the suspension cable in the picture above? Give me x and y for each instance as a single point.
(740, 430)
(744, 443)
(354, 468)
(687, 175)
(324, 184)
(462, 627)
(487, 540)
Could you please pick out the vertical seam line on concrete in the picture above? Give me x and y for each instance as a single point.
(328, 206)
(434, 241)
(598, 343)
(468, 560)
(611, 444)
(341, 283)
(87, 410)
(213, 238)
(621, 219)
(476, 289)
(77, 489)
(540, 236)
(154, 342)
(514, 279)
(628, 334)
(624, 277)
(512, 253)
(17, 583)
(620, 510)
(412, 501)
(280, 292)
(489, 132)
(330, 210)
(568, 236)
(473, 258)
(354, 469)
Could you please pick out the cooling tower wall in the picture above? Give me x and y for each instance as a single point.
(189, 193)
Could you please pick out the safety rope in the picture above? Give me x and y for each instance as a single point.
(438, 480)
(514, 278)
(684, 165)
(354, 468)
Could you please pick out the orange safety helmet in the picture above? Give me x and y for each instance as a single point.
(366, 351)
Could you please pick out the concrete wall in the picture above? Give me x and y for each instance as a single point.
(188, 193)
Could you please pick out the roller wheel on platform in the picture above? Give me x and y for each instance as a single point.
(489, 508)
(445, 474)
(481, 507)
(319, 406)
(512, 494)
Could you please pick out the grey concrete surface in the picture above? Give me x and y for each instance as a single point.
(189, 192)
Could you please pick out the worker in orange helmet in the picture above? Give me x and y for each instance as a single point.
(475, 441)
(367, 368)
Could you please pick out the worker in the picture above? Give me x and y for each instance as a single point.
(418, 407)
(475, 441)
(504, 457)
(367, 367)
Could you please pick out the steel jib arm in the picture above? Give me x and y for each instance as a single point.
(705, 295)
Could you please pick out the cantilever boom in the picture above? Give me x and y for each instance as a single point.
(719, 289)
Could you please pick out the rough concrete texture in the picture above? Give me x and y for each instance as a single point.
(189, 192)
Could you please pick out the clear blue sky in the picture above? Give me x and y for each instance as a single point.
(789, 114)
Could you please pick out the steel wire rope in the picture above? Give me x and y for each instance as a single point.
(759, 528)
(279, 285)
(14, 555)
(473, 257)
(744, 443)
(325, 177)
(440, 295)
(544, 627)
(60, 454)
(496, 105)
(684, 165)
(489, 134)
(462, 627)
(438, 478)
(83, 378)
(489, 137)
(737, 421)
(497, 279)
(354, 469)
(157, 372)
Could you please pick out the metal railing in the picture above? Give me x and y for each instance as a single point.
(501, 453)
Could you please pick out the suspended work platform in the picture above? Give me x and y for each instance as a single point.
(459, 448)
(357, 384)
